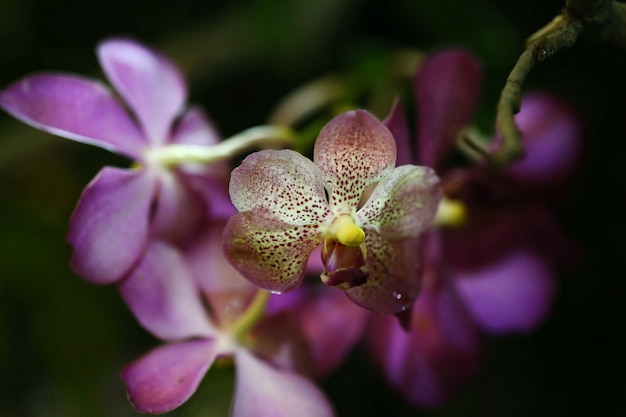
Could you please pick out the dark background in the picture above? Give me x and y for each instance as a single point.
(63, 341)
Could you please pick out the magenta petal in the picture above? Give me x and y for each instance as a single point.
(331, 324)
(265, 391)
(162, 294)
(398, 125)
(178, 208)
(151, 85)
(194, 128)
(227, 291)
(513, 294)
(437, 355)
(167, 376)
(553, 139)
(109, 227)
(447, 88)
(75, 108)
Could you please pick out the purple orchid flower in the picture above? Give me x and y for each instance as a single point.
(205, 311)
(367, 214)
(493, 272)
(121, 209)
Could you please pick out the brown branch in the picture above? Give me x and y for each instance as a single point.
(595, 20)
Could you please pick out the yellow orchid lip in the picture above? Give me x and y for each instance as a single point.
(346, 231)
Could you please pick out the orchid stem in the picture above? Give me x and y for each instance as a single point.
(260, 136)
(251, 316)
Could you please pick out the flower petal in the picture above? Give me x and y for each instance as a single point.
(109, 227)
(512, 295)
(227, 291)
(178, 209)
(331, 324)
(151, 85)
(194, 128)
(265, 391)
(353, 151)
(437, 355)
(403, 204)
(447, 88)
(284, 183)
(552, 138)
(162, 294)
(75, 108)
(271, 254)
(395, 274)
(167, 376)
(398, 125)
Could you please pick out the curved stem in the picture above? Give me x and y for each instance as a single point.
(251, 316)
(259, 136)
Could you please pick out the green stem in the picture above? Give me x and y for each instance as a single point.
(251, 316)
(259, 136)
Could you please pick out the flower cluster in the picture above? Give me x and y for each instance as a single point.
(200, 257)
(490, 265)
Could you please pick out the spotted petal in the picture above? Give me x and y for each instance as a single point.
(263, 390)
(269, 253)
(168, 375)
(109, 227)
(353, 151)
(75, 108)
(288, 186)
(151, 85)
(403, 204)
(395, 274)
(446, 91)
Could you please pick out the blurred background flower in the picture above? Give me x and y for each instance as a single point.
(63, 341)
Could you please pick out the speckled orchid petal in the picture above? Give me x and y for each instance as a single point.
(447, 88)
(353, 151)
(162, 294)
(434, 358)
(512, 295)
(75, 108)
(151, 85)
(403, 204)
(167, 376)
(552, 137)
(288, 186)
(395, 274)
(109, 227)
(398, 125)
(263, 390)
(269, 253)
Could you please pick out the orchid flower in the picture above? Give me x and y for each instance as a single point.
(366, 213)
(160, 196)
(490, 264)
(205, 311)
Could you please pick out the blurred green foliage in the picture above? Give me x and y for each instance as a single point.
(63, 341)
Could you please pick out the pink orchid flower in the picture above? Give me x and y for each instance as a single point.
(367, 214)
(122, 209)
(205, 311)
